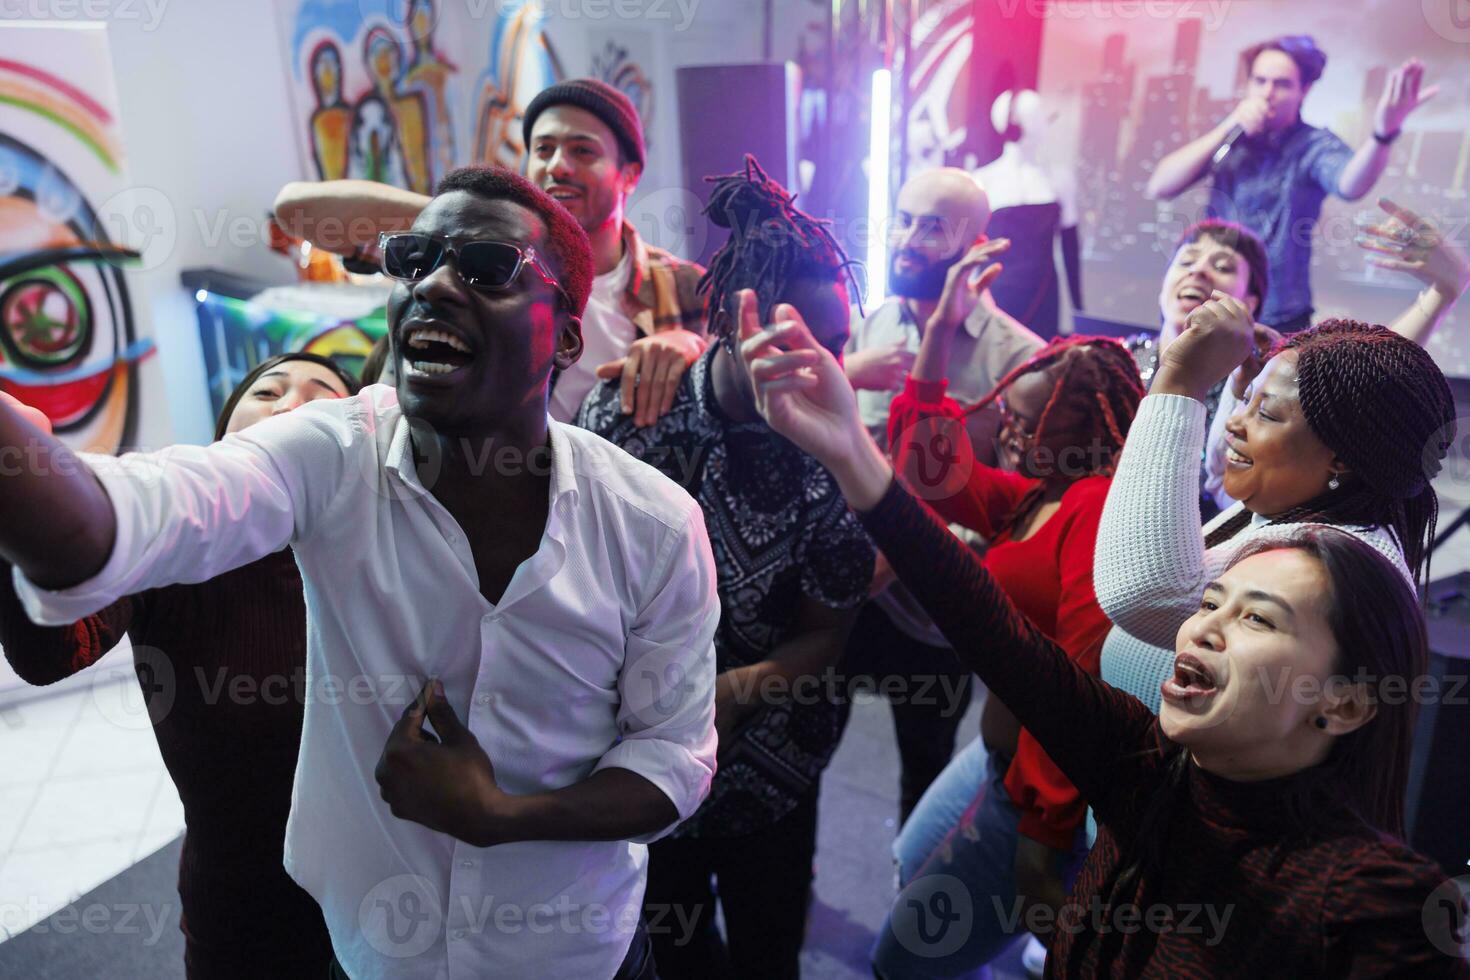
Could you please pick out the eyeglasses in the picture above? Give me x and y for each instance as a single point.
(1017, 424)
(411, 257)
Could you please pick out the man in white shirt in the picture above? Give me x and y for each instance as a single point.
(560, 593)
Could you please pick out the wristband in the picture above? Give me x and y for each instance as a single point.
(1386, 140)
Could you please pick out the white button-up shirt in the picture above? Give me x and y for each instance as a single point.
(598, 654)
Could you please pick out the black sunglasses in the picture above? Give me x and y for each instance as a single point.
(411, 257)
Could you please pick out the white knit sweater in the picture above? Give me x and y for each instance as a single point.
(1151, 566)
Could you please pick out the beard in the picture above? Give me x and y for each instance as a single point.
(926, 283)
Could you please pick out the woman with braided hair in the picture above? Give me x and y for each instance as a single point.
(1001, 817)
(1346, 425)
(1241, 833)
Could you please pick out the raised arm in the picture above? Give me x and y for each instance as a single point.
(1177, 172)
(932, 451)
(1086, 726)
(938, 457)
(182, 514)
(345, 216)
(1150, 568)
(1402, 94)
(1408, 243)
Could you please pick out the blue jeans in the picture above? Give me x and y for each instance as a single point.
(939, 809)
(958, 910)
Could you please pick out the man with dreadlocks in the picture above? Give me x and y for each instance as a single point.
(792, 565)
(1002, 817)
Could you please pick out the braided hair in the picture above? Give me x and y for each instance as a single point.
(1382, 405)
(772, 244)
(1098, 379)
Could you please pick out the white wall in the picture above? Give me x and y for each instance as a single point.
(203, 97)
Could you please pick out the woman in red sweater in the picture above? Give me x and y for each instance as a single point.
(1001, 815)
(1251, 829)
(222, 665)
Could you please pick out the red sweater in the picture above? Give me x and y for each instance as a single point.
(1235, 892)
(1048, 576)
(222, 666)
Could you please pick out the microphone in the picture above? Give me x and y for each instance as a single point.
(1236, 132)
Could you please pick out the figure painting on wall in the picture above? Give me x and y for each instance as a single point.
(331, 121)
(616, 66)
(386, 115)
(522, 63)
(428, 77)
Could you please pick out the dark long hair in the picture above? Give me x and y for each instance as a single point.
(1380, 635)
(223, 421)
(1095, 376)
(1382, 405)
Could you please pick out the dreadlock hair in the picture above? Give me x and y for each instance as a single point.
(772, 244)
(1382, 405)
(1098, 378)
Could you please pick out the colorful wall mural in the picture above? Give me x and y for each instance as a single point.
(522, 63)
(69, 341)
(237, 332)
(373, 89)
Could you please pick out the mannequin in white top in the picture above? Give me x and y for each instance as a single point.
(1034, 202)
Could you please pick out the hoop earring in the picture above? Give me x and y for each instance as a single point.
(1333, 483)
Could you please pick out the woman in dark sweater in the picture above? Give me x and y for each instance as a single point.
(1249, 830)
(222, 665)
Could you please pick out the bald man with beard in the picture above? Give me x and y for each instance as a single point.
(940, 215)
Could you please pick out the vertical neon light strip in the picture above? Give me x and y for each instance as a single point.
(879, 111)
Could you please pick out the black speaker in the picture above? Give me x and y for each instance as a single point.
(727, 111)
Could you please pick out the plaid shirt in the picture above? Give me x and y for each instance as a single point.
(662, 290)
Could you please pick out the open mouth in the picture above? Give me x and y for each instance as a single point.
(1192, 680)
(561, 192)
(432, 353)
(1193, 295)
(1234, 457)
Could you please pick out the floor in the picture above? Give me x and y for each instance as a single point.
(89, 826)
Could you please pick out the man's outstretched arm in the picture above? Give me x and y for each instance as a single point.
(59, 525)
(345, 216)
